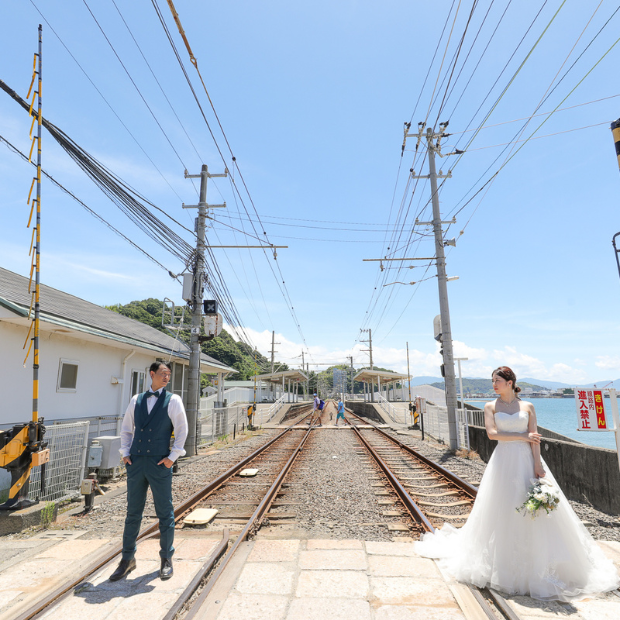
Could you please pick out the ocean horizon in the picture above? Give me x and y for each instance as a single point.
(560, 415)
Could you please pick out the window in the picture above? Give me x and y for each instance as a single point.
(67, 376)
(138, 378)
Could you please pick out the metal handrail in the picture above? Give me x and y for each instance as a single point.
(273, 409)
(387, 406)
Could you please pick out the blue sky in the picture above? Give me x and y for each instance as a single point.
(312, 98)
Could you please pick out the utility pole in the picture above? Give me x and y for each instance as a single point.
(352, 375)
(369, 341)
(408, 374)
(193, 392)
(433, 141)
(273, 351)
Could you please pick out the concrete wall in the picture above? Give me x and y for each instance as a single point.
(583, 472)
(367, 410)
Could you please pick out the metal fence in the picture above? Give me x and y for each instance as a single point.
(220, 421)
(68, 444)
(436, 424)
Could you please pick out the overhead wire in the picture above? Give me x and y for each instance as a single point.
(279, 278)
(120, 120)
(86, 207)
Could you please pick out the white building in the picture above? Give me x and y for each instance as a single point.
(92, 360)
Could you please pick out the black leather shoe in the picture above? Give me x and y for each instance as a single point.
(124, 568)
(165, 572)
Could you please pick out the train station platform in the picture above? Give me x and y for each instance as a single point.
(266, 580)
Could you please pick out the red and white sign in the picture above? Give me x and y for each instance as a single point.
(591, 415)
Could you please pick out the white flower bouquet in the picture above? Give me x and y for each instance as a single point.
(542, 495)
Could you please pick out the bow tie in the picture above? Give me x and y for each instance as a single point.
(155, 394)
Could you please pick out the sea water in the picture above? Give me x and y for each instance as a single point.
(560, 415)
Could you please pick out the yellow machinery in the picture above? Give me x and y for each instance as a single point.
(22, 447)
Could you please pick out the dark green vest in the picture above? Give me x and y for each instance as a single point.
(153, 430)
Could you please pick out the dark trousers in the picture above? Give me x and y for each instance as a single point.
(142, 473)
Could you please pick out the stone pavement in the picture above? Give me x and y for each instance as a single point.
(352, 579)
(33, 567)
(267, 579)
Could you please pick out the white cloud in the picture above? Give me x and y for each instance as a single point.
(480, 362)
(608, 362)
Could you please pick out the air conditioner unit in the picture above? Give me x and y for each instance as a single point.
(111, 455)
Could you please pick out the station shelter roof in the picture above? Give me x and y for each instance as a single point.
(384, 376)
(276, 377)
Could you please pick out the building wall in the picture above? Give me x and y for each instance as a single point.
(95, 394)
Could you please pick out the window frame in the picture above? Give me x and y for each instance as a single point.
(61, 362)
(138, 371)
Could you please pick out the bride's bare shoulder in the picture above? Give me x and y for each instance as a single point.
(490, 406)
(526, 404)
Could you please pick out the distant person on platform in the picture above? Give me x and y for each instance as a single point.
(149, 422)
(340, 413)
(317, 408)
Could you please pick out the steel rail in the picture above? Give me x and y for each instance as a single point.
(416, 514)
(412, 507)
(467, 488)
(254, 519)
(199, 576)
(64, 590)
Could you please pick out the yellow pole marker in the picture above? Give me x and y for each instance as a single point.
(615, 130)
(32, 148)
(30, 194)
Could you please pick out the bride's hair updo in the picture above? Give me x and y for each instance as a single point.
(508, 375)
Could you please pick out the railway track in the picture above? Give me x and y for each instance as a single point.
(273, 459)
(416, 495)
(430, 494)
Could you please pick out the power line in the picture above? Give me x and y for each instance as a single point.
(91, 211)
(104, 99)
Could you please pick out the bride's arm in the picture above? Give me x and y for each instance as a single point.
(495, 435)
(532, 427)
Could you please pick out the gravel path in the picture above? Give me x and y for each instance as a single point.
(107, 520)
(330, 490)
(601, 525)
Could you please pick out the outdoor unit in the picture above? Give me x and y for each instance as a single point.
(111, 455)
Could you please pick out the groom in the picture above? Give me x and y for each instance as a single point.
(149, 422)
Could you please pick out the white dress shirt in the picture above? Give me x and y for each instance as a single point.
(176, 413)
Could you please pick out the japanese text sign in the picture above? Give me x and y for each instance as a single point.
(591, 415)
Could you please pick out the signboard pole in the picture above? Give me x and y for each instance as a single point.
(616, 416)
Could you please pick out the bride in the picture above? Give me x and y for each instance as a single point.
(551, 557)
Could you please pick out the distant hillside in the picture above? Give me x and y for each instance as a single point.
(424, 380)
(224, 348)
(484, 386)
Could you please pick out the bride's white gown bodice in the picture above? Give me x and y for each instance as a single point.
(551, 557)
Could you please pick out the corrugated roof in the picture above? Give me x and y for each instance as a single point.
(56, 304)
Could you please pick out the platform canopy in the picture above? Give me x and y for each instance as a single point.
(378, 376)
(296, 376)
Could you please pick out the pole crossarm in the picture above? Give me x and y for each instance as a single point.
(205, 205)
(386, 260)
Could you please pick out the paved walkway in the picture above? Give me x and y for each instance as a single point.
(266, 580)
(356, 580)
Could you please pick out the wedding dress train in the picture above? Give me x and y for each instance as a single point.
(551, 557)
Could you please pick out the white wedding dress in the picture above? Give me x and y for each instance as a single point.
(551, 557)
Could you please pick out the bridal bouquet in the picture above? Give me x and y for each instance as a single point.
(542, 495)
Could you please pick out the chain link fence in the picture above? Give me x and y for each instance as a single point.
(68, 444)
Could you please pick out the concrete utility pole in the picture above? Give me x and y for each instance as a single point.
(408, 374)
(193, 392)
(369, 341)
(273, 351)
(433, 141)
(352, 375)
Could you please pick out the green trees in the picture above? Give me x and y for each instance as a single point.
(224, 348)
